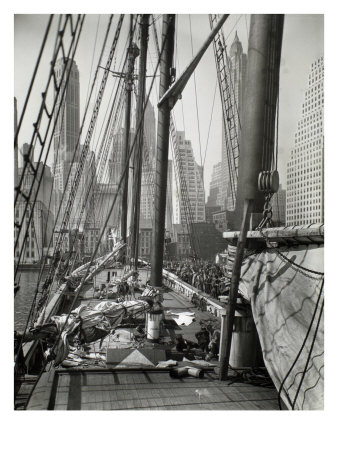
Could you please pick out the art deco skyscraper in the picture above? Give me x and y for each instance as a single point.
(191, 172)
(305, 177)
(148, 164)
(216, 185)
(66, 136)
(67, 128)
(236, 73)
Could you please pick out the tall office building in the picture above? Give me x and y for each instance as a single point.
(169, 205)
(147, 194)
(148, 165)
(236, 74)
(37, 236)
(216, 184)
(66, 137)
(192, 185)
(115, 159)
(67, 127)
(150, 131)
(278, 204)
(305, 177)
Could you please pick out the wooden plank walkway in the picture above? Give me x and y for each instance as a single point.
(147, 390)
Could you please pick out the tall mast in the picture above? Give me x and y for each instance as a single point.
(168, 40)
(129, 80)
(168, 98)
(137, 159)
(265, 30)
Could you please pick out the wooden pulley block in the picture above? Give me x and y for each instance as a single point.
(262, 186)
(260, 181)
(268, 181)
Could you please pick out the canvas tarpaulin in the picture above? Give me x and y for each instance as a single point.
(86, 323)
(287, 306)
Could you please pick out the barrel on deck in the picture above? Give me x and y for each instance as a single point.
(154, 320)
(245, 346)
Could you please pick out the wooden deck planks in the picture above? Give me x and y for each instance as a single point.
(157, 390)
(151, 390)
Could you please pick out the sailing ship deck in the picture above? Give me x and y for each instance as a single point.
(105, 387)
(146, 389)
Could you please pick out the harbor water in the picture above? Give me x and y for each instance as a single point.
(28, 280)
(25, 296)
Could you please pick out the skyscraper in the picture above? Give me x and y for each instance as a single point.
(67, 127)
(278, 204)
(150, 130)
(190, 185)
(216, 183)
(236, 74)
(169, 205)
(36, 236)
(305, 177)
(148, 164)
(66, 137)
(115, 159)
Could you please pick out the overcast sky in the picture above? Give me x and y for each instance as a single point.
(303, 42)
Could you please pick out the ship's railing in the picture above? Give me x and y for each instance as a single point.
(292, 235)
(173, 282)
(51, 308)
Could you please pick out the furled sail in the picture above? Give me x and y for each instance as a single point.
(285, 288)
(85, 324)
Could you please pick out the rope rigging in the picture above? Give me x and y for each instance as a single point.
(196, 102)
(74, 158)
(43, 111)
(78, 290)
(231, 117)
(31, 317)
(36, 135)
(47, 288)
(209, 128)
(88, 190)
(69, 182)
(33, 77)
(181, 185)
(268, 181)
(106, 148)
(85, 148)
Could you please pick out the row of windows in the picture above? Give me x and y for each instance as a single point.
(302, 207)
(306, 167)
(313, 100)
(314, 90)
(315, 80)
(311, 107)
(307, 127)
(303, 214)
(309, 146)
(310, 157)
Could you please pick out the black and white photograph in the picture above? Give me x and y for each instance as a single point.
(168, 212)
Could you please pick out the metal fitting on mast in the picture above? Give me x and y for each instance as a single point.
(133, 53)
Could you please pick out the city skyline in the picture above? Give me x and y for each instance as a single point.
(303, 34)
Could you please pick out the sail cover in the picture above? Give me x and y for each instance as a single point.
(284, 287)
